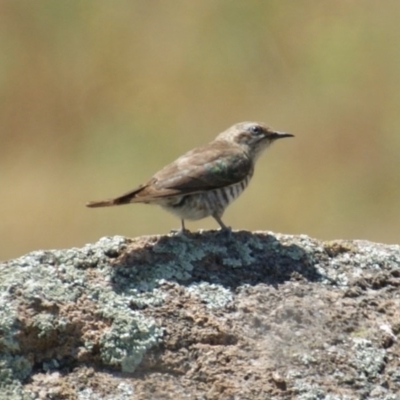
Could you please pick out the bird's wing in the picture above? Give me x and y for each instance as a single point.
(205, 168)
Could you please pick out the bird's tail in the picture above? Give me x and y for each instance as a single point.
(101, 203)
(117, 201)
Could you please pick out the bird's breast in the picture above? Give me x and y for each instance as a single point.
(203, 204)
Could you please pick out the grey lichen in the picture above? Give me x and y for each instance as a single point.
(128, 339)
(15, 391)
(8, 323)
(100, 300)
(175, 257)
(368, 359)
(130, 335)
(215, 296)
(13, 368)
(43, 282)
(124, 391)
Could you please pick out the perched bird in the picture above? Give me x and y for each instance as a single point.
(205, 180)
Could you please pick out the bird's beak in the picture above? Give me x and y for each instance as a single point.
(280, 135)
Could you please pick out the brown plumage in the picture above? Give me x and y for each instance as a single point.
(205, 180)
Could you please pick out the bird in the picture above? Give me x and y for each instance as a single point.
(206, 180)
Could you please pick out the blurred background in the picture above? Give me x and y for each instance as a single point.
(96, 96)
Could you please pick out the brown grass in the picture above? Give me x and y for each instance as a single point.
(96, 96)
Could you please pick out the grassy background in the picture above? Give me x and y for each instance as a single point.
(97, 95)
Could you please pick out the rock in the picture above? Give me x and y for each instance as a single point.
(202, 316)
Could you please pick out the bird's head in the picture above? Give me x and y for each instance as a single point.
(253, 137)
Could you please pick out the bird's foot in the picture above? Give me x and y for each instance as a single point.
(226, 231)
(180, 232)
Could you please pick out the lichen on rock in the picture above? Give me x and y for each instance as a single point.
(204, 315)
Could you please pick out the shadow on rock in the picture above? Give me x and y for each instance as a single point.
(213, 257)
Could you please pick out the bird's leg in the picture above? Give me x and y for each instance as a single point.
(181, 231)
(224, 228)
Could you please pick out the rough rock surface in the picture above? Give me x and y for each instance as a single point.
(203, 316)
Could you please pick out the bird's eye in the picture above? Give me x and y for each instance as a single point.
(256, 129)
